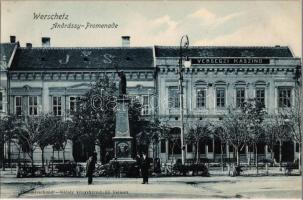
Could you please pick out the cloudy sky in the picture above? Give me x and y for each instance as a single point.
(150, 23)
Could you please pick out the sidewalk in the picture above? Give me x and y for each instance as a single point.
(158, 187)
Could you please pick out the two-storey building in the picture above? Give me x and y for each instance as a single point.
(219, 78)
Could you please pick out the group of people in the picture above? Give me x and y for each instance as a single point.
(141, 161)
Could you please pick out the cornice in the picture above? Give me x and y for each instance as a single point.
(77, 75)
(229, 70)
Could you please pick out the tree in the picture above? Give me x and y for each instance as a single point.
(63, 131)
(33, 132)
(235, 125)
(94, 119)
(7, 131)
(275, 131)
(254, 113)
(196, 134)
(220, 132)
(172, 136)
(149, 133)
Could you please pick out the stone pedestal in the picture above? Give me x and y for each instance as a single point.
(122, 139)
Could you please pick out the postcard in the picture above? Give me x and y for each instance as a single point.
(151, 99)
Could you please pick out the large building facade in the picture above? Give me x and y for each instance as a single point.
(49, 80)
(220, 78)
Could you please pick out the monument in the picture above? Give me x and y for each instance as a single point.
(122, 139)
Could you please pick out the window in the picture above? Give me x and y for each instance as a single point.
(260, 96)
(240, 97)
(73, 103)
(201, 98)
(33, 105)
(145, 105)
(57, 106)
(1, 101)
(173, 98)
(284, 97)
(18, 105)
(220, 97)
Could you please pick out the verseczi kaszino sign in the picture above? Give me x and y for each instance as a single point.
(236, 61)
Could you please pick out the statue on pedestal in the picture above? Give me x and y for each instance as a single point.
(122, 139)
(122, 82)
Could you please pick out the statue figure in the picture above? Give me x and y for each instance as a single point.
(122, 82)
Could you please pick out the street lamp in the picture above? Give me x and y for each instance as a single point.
(184, 43)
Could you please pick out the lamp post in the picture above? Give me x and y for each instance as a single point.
(184, 43)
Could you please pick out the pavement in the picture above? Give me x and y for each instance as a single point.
(158, 187)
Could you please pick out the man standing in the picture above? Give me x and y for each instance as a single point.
(144, 168)
(90, 167)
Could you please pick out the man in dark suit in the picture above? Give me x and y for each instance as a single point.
(90, 167)
(144, 168)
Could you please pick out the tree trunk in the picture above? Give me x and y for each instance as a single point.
(280, 154)
(214, 153)
(42, 156)
(238, 155)
(222, 165)
(272, 152)
(249, 157)
(300, 158)
(63, 152)
(9, 153)
(198, 152)
(19, 152)
(256, 159)
(3, 156)
(32, 162)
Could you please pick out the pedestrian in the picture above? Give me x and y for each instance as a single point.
(116, 167)
(144, 168)
(90, 167)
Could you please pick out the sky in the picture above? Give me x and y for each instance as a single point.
(148, 23)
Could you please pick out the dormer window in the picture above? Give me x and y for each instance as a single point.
(86, 59)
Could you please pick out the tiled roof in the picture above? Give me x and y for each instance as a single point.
(82, 58)
(6, 50)
(221, 51)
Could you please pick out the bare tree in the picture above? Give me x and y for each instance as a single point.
(33, 132)
(196, 134)
(221, 133)
(7, 134)
(254, 114)
(276, 130)
(63, 131)
(235, 124)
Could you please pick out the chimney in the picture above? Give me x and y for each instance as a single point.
(12, 39)
(125, 41)
(45, 42)
(29, 45)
